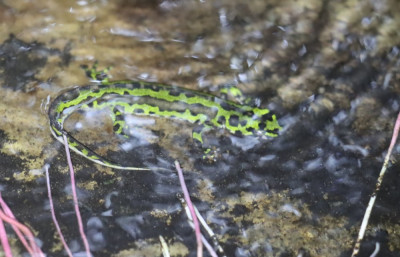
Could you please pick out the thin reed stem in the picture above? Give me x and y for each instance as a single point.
(4, 240)
(20, 229)
(75, 198)
(192, 211)
(53, 214)
(371, 203)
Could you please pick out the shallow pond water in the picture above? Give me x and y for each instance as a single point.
(329, 70)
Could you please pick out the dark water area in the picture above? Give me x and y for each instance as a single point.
(328, 70)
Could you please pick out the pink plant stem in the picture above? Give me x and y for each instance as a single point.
(75, 197)
(53, 214)
(16, 228)
(378, 184)
(4, 240)
(8, 212)
(191, 209)
(209, 247)
(395, 135)
(20, 230)
(33, 249)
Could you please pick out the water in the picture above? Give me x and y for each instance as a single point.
(327, 69)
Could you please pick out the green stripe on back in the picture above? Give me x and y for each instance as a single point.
(145, 98)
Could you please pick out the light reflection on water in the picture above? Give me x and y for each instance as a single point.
(331, 81)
